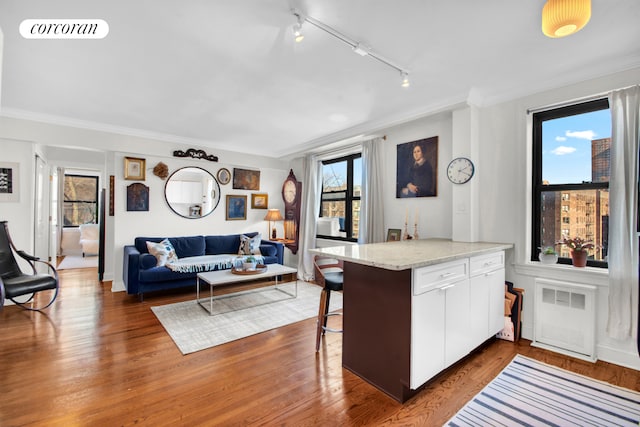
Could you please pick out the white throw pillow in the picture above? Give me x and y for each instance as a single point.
(163, 251)
(250, 245)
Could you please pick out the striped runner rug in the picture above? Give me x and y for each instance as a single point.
(531, 393)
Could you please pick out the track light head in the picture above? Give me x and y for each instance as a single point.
(297, 32)
(405, 79)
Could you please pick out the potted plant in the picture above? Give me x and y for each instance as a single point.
(548, 255)
(579, 249)
(249, 263)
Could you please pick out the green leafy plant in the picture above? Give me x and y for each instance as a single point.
(250, 259)
(548, 250)
(577, 243)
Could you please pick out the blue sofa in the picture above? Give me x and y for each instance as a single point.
(141, 273)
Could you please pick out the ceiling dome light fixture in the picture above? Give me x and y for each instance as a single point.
(405, 79)
(561, 18)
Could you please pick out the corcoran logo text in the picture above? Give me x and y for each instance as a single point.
(64, 29)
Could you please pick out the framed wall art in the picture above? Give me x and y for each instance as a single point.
(260, 201)
(224, 176)
(134, 169)
(112, 185)
(394, 235)
(236, 207)
(417, 168)
(137, 197)
(245, 179)
(9, 180)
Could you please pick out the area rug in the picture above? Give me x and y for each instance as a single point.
(72, 261)
(532, 393)
(239, 315)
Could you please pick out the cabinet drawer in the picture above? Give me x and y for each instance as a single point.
(485, 263)
(432, 277)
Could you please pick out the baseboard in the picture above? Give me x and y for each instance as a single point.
(628, 359)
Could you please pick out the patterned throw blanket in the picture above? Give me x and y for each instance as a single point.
(198, 264)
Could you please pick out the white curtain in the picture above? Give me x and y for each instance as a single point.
(310, 209)
(623, 194)
(372, 201)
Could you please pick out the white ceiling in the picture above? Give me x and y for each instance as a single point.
(226, 74)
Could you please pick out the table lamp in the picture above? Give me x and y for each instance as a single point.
(273, 215)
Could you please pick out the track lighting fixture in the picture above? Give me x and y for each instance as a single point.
(356, 46)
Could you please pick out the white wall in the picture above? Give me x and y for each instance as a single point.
(161, 221)
(504, 174)
(83, 148)
(434, 213)
(20, 214)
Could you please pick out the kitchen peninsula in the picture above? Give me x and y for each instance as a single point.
(412, 308)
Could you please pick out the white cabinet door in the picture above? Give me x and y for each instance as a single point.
(456, 335)
(427, 336)
(487, 297)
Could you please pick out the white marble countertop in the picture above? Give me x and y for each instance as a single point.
(408, 254)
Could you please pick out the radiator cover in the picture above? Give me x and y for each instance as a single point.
(565, 318)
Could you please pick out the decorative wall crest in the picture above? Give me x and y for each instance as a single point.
(196, 154)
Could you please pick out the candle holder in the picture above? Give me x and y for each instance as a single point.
(415, 231)
(406, 235)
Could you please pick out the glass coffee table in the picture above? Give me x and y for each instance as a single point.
(227, 277)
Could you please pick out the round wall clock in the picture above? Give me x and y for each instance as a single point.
(224, 176)
(460, 170)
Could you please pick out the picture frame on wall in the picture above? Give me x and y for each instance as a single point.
(417, 168)
(394, 235)
(236, 207)
(224, 176)
(259, 201)
(137, 197)
(9, 182)
(134, 169)
(245, 179)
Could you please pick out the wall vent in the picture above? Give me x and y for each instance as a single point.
(565, 318)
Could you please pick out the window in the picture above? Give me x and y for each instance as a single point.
(571, 178)
(80, 200)
(340, 200)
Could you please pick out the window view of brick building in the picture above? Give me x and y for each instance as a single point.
(584, 213)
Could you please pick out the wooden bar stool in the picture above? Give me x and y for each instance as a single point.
(328, 273)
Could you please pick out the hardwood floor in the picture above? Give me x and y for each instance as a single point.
(102, 359)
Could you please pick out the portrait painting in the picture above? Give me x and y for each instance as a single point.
(245, 179)
(417, 168)
(137, 197)
(9, 173)
(236, 207)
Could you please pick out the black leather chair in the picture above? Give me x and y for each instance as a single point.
(328, 274)
(14, 283)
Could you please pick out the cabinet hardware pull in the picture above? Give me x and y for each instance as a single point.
(443, 275)
(447, 287)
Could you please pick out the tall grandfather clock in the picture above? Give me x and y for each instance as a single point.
(292, 194)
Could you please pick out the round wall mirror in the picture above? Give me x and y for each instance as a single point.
(192, 192)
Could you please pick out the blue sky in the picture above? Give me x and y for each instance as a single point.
(566, 146)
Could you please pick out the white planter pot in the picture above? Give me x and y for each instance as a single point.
(249, 265)
(548, 258)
